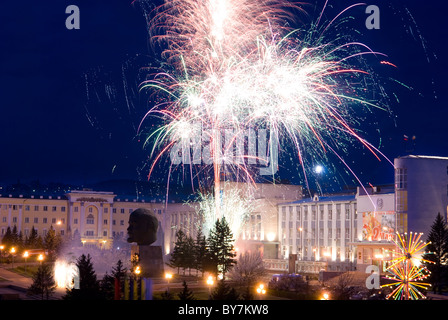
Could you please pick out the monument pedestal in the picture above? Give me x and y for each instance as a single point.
(150, 260)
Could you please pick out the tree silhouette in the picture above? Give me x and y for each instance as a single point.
(437, 252)
(43, 282)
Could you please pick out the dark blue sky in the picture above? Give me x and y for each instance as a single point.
(69, 106)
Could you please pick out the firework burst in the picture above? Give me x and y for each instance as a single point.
(407, 268)
(239, 66)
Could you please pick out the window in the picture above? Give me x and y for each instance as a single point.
(36, 208)
(401, 178)
(90, 233)
(62, 209)
(90, 209)
(75, 209)
(27, 208)
(53, 208)
(44, 220)
(121, 210)
(14, 219)
(75, 221)
(45, 208)
(36, 220)
(105, 221)
(90, 219)
(114, 210)
(27, 220)
(104, 233)
(106, 210)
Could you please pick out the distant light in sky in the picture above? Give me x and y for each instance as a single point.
(318, 169)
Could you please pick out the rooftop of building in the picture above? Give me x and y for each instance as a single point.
(325, 198)
(423, 157)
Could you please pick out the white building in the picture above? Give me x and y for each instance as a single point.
(319, 229)
(421, 190)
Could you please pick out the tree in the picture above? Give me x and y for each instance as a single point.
(224, 292)
(186, 294)
(200, 252)
(178, 255)
(31, 241)
(108, 283)
(437, 252)
(43, 282)
(51, 241)
(249, 268)
(89, 287)
(220, 245)
(189, 259)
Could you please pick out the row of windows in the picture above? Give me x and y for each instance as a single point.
(35, 220)
(75, 209)
(314, 214)
(89, 220)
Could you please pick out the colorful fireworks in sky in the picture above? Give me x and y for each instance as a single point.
(239, 66)
(407, 268)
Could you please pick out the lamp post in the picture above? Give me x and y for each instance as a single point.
(1, 253)
(261, 290)
(40, 258)
(210, 284)
(168, 277)
(13, 251)
(25, 255)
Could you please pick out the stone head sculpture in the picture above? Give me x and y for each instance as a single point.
(142, 227)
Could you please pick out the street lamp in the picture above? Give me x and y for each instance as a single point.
(1, 252)
(325, 296)
(261, 290)
(40, 258)
(26, 255)
(210, 284)
(13, 250)
(168, 277)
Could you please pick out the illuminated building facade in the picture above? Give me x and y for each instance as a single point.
(319, 229)
(421, 191)
(97, 217)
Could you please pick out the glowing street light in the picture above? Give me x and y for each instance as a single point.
(13, 251)
(210, 284)
(1, 252)
(40, 258)
(168, 277)
(26, 255)
(261, 290)
(325, 296)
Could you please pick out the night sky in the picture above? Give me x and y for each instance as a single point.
(70, 109)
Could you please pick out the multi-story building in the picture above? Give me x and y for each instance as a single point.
(376, 224)
(421, 191)
(319, 229)
(97, 217)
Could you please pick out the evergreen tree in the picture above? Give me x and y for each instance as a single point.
(221, 248)
(178, 254)
(186, 294)
(189, 259)
(437, 252)
(51, 242)
(43, 282)
(224, 292)
(89, 287)
(15, 236)
(7, 238)
(200, 252)
(31, 242)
